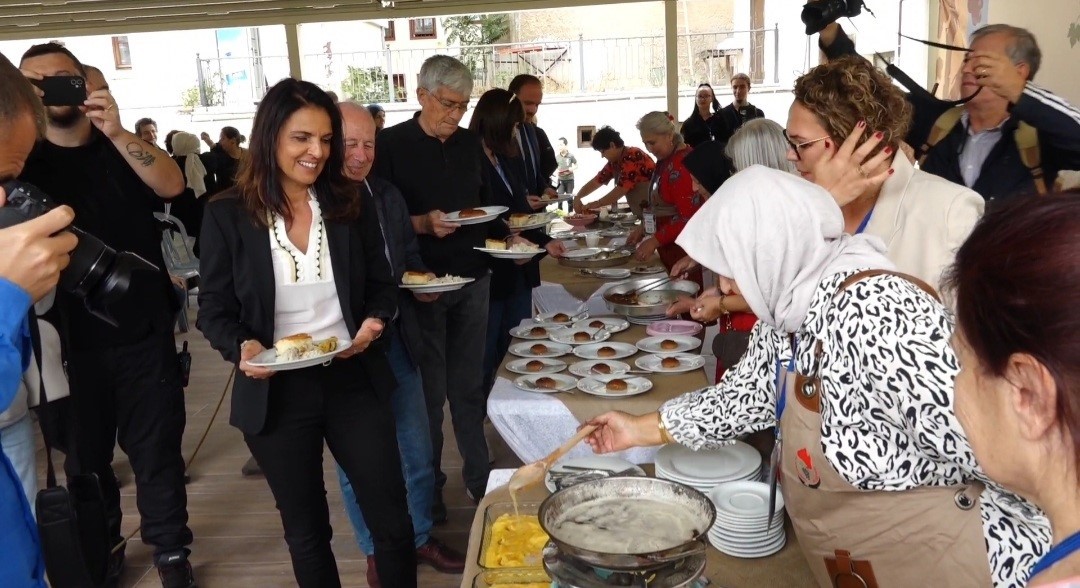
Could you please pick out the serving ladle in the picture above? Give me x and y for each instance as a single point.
(534, 472)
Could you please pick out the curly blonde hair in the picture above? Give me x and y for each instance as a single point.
(849, 89)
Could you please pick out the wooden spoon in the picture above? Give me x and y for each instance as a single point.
(532, 473)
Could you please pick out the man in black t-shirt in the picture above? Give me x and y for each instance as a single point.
(436, 164)
(731, 117)
(125, 380)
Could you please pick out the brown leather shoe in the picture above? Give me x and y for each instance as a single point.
(372, 575)
(440, 557)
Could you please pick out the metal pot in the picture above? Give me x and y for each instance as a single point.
(606, 257)
(630, 488)
(657, 300)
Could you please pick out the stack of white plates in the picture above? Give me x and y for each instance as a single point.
(646, 320)
(706, 468)
(742, 527)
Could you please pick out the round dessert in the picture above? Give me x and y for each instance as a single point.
(601, 368)
(597, 324)
(471, 213)
(538, 332)
(668, 344)
(562, 317)
(582, 337)
(670, 362)
(534, 366)
(617, 385)
(547, 383)
(539, 349)
(606, 351)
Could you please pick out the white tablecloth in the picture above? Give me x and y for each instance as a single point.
(533, 425)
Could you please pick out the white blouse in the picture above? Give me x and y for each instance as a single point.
(887, 420)
(305, 295)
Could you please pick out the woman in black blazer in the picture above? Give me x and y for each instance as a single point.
(496, 118)
(286, 251)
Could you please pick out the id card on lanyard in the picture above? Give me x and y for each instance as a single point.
(648, 214)
(784, 374)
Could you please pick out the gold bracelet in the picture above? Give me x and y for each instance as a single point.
(665, 436)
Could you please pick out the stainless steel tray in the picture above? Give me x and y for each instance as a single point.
(664, 294)
(607, 257)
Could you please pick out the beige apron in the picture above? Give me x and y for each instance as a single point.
(637, 197)
(852, 538)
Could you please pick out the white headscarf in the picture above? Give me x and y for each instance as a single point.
(777, 236)
(187, 145)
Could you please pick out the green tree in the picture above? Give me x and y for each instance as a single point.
(365, 85)
(471, 32)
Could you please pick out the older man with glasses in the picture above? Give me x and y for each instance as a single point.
(436, 164)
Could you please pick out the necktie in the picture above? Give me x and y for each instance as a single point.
(531, 155)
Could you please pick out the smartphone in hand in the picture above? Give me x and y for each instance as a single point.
(62, 90)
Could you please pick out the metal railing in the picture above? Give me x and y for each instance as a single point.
(574, 66)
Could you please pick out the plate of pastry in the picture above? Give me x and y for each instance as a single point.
(425, 284)
(546, 384)
(523, 221)
(668, 344)
(600, 367)
(605, 350)
(536, 332)
(299, 351)
(670, 363)
(528, 366)
(562, 317)
(613, 324)
(477, 215)
(580, 335)
(614, 385)
(499, 248)
(548, 349)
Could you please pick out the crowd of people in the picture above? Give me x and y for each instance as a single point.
(895, 301)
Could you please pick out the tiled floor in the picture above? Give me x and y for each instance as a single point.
(238, 536)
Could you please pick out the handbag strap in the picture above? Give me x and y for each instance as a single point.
(35, 344)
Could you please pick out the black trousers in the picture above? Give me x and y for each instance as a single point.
(132, 395)
(331, 403)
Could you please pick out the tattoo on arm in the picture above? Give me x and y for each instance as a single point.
(141, 154)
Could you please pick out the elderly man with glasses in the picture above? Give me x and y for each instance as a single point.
(436, 164)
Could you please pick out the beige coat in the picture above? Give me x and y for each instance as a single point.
(923, 220)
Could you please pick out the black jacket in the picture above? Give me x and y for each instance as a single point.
(504, 272)
(729, 120)
(1003, 174)
(696, 130)
(236, 295)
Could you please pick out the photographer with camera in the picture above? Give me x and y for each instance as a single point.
(122, 361)
(1009, 138)
(33, 256)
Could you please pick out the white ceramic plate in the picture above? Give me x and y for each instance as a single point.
(551, 366)
(646, 269)
(525, 331)
(536, 220)
(613, 324)
(728, 463)
(553, 199)
(687, 363)
(435, 288)
(590, 351)
(583, 252)
(507, 254)
(599, 462)
(750, 533)
(776, 546)
(554, 349)
(615, 232)
(568, 335)
(583, 368)
(674, 327)
(683, 343)
(550, 317)
(597, 386)
(611, 273)
(268, 359)
(744, 499)
(491, 213)
(562, 381)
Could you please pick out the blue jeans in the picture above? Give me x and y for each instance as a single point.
(18, 442)
(414, 442)
(504, 315)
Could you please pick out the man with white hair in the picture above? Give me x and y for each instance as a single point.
(437, 166)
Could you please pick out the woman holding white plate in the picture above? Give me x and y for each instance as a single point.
(851, 362)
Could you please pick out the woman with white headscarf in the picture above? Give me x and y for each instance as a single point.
(855, 370)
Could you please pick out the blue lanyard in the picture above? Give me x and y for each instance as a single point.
(1070, 545)
(865, 221)
(502, 175)
(781, 384)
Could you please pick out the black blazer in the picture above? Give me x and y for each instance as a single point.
(504, 272)
(236, 295)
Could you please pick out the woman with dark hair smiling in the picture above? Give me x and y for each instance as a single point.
(699, 127)
(1017, 286)
(495, 120)
(288, 251)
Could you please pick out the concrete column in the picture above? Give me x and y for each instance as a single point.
(671, 54)
(292, 41)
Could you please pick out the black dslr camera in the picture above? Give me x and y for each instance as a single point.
(97, 274)
(818, 15)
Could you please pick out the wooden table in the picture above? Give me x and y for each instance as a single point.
(785, 568)
(581, 286)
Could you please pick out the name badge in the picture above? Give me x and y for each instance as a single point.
(649, 221)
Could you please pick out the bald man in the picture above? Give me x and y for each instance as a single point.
(407, 400)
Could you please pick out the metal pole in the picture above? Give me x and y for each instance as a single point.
(776, 52)
(202, 81)
(292, 41)
(581, 63)
(390, 97)
(899, 30)
(671, 54)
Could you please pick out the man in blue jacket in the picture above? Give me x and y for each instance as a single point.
(30, 262)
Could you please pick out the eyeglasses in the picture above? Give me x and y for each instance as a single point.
(450, 105)
(800, 147)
